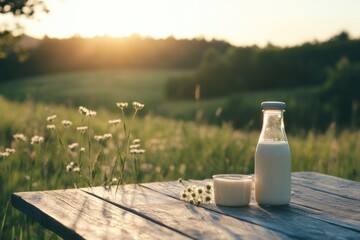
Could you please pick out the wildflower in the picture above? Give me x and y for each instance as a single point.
(101, 138)
(4, 155)
(137, 106)
(136, 141)
(180, 180)
(107, 136)
(137, 151)
(50, 127)
(20, 136)
(122, 105)
(184, 196)
(115, 121)
(133, 146)
(83, 110)
(82, 129)
(76, 169)
(51, 118)
(69, 168)
(82, 150)
(66, 123)
(195, 194)
(9, 150)
(37, 139)
(73, 146)
(207, 199)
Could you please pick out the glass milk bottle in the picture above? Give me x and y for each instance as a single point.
(273, 158)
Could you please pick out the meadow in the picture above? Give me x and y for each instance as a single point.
(174, 148)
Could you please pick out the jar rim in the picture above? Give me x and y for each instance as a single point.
(233, 176)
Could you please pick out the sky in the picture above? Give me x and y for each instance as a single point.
(280, 22)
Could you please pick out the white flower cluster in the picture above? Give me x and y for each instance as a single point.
(115, 121)
(73, 146)
(51, 118)
(122, 105)
(50, 127)
(20, 136)
(87, 112)
(196, 195)
(138, 106)
(82, 129)
(72, 167)
(135, 147)
(8, 152)
(103, 138)
(66, 123)
(37, 140)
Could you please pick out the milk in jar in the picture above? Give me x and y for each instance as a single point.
(273, 158)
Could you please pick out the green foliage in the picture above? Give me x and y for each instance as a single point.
(21, 7)
(341, 94)
(11, 52)
(252, 68)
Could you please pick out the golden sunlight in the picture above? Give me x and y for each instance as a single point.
(115, 18)
(239, 22)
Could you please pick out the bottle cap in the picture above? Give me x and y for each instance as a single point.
(273, 105)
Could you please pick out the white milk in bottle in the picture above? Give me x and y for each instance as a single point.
(273, 158)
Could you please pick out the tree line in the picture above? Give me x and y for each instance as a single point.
(59, 55)
(241, 69)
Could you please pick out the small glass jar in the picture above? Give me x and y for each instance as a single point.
(232, 190)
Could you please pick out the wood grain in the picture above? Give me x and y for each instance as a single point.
(73, 214)
(186, 218)
(328, 184)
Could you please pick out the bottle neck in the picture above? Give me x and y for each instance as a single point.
(273, 129)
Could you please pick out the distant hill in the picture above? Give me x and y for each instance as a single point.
(61, 55)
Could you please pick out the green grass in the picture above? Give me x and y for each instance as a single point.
(100, 88)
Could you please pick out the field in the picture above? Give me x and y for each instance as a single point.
(173, 147)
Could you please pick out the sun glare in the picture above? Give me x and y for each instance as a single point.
(115, 18)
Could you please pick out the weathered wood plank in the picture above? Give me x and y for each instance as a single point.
(280, 219)
(73, 214)
(328, 184)
(329, 207)
(196, 222)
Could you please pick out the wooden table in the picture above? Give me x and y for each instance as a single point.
(321, 207)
